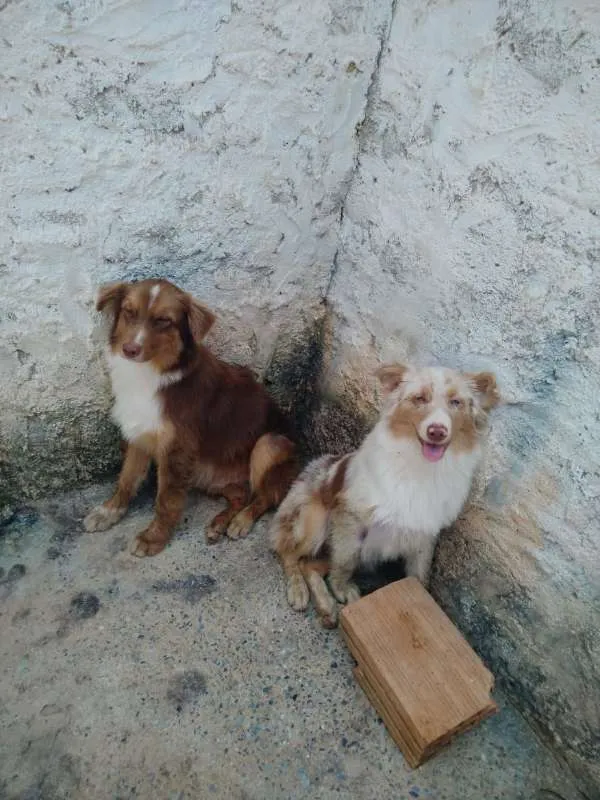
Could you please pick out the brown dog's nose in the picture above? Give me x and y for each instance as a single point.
(132, 350)
(437, 433)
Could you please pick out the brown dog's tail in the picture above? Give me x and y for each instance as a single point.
(273, 468)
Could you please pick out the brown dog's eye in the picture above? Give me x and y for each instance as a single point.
(129, 314)
(419, 400)
(162, 323)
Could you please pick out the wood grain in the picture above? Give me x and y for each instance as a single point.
(418, 671)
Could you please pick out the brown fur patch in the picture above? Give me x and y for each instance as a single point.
(422, 397)
(318, 565)
(329, 492)
(485, 384)
(135, 467)
(314, 518)
(212, 478)
(464, 430)
(170, 502)
(110, 297)
(277, 481)
(245, 519)
(201, 319)
(390, 376)
(237, 496)
(406, 418)
(269, 451)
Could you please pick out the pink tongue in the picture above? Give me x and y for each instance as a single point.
(433, 452)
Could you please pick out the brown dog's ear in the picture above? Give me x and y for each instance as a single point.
(390, 376)
(200, 319)
(485, 385)
(110, 296)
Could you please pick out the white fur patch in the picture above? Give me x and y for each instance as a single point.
(154, 292)
(137, 408)
(412, 499)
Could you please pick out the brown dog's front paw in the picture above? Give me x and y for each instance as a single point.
(215, 530)
(148, 544)
(102, 518)
(240, 525)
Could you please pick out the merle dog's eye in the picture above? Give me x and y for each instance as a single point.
(455, 402)
(162, 323)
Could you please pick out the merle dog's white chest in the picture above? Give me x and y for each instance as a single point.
(385, 542)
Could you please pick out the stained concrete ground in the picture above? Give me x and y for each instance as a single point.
(187, 676)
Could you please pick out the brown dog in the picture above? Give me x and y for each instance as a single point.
(205, 423)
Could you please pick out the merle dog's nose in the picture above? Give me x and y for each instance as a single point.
(437, 433)
(132, 350)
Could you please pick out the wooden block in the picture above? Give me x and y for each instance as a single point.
(398, 731)
(418, 671)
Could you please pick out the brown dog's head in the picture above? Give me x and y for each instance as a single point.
(153, 321)
(437, 408)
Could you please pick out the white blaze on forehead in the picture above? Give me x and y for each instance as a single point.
(440, 385)
(414, 382)
(437, 380)
(428, 379)
(140, 336)
(154, 292)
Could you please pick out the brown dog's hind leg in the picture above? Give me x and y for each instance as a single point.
(273, 468)
(237, 496)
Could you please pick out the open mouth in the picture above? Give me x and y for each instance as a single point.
(433, 452)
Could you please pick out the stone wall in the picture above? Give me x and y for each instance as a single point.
(470, 236)
(343, 184)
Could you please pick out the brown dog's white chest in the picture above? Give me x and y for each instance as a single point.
(138, 408)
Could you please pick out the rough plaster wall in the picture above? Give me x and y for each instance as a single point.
(215, 144)
(470, 237)
(210, 142)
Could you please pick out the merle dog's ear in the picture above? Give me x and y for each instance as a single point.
(200, 319)
(390, 376)
(485, 385)
(110, 296)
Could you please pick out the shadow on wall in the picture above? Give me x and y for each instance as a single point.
(294, 377)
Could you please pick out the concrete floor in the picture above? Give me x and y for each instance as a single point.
(187, 676)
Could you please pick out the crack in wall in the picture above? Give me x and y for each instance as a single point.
(360, 135)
